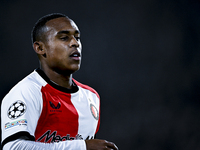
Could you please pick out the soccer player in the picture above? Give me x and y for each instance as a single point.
(49, 109)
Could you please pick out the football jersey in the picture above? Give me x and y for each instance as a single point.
(45, 112)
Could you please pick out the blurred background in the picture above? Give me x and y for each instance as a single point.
(143, 58)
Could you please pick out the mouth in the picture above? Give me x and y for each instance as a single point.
(75, 55)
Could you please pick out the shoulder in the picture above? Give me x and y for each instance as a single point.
(30, 82)
(27, 88)
(86, 87)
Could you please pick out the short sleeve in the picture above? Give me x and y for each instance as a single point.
(20, 110)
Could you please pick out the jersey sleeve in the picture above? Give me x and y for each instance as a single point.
(20, 111)
(31, 145)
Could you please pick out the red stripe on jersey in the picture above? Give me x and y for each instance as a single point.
(59, 118)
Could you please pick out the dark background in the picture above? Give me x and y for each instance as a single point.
(143, 58)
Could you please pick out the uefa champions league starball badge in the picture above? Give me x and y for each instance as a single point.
(16, 110)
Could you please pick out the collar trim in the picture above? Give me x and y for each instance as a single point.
(56, 86)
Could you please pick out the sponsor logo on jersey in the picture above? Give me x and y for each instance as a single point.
(55, 108)
(94, 111)
(57, 138)
(16, 110)
(15, 123)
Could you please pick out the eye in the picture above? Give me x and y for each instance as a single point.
(64, 38)
(77, 38)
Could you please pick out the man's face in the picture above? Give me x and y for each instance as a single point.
(63, 46)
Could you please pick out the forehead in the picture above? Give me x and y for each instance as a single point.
(62, 23)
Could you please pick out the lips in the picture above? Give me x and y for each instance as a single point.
(75, 55)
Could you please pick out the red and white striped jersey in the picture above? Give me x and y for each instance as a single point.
(45, 112)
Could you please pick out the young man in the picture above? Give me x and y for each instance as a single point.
(48, 109)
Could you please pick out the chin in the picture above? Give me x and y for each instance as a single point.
(66, 71)
(73, 69)
(76, 69)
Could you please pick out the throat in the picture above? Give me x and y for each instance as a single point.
(63, 82)
(60, 79)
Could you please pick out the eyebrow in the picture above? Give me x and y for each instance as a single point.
(67, 32)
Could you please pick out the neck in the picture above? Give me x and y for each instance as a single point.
(60, 79)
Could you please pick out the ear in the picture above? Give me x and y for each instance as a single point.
(39, 48)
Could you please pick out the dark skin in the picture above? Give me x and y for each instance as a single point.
(60, 56)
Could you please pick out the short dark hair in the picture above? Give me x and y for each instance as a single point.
(39, 27)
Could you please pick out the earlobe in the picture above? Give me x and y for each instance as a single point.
(39, 48)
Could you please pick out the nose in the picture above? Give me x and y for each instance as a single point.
(74, 42)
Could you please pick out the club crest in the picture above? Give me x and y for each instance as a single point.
(94, 111)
